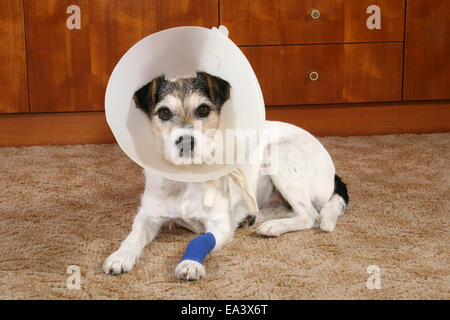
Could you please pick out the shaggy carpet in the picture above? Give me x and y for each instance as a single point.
(73, 205)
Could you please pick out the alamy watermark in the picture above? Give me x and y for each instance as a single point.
(73, 281)
(231, 147)
(74, 20)
(374, 20)
(374, 280)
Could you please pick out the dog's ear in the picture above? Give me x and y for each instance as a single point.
(148, 96)
(218, 90)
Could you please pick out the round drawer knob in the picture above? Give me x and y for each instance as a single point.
(315, 14)
(313, 76)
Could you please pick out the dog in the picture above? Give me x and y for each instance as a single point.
(303, 193)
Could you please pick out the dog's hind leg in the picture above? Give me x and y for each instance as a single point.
(272, 213)
(304, 217)
(302, 214)
(288, 181)
(335, 207)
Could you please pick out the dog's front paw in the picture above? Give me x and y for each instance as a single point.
(270, 228)
(189, 270)
(119, 262)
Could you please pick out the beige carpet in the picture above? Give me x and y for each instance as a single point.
(73, 205)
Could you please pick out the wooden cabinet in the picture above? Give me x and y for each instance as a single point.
(388, 58)
(288, 40)
(321, 74)
(427, 50)
(260, 22)
(13, 68)
(69, 69)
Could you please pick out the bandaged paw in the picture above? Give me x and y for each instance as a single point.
(199, 247)
(191, 265)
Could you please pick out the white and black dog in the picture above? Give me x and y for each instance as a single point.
(303, 193)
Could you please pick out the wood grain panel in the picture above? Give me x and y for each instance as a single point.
(427, 50)
(367, 119)
(328, 120)
(347, 73)
(69, 69)
(54, 128)
(259, 22)
(13, 70)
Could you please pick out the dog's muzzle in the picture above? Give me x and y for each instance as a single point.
(185, 144)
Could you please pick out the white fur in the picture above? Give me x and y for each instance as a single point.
(305, 178)
(168, 132)
(189, 270)
(330, 212)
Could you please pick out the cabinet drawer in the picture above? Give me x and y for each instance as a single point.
(291, 22)
(345, 73)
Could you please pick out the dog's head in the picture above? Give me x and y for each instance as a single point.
(184, 113)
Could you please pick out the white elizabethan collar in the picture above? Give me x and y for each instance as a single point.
(180, 52)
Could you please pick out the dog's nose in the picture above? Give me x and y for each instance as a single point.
(185, 142)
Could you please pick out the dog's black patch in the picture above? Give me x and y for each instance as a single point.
(215, 88)
(247, 222)
(149, 95)
(340, 188)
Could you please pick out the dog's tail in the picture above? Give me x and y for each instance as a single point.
(335, 206)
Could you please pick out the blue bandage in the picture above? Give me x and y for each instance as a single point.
(199, 247)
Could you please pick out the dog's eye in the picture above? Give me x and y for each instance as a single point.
(164, 113)
(202, 111)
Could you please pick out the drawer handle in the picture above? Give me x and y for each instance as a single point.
(313, 76)
(315, 14)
